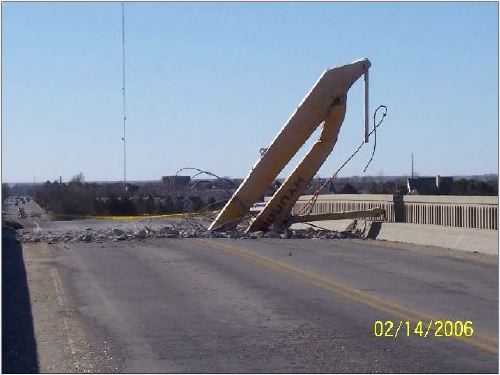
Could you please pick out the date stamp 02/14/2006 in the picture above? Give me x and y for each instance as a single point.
(432, 328)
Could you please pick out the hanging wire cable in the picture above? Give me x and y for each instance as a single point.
(196, 219)
(193, 219)
(375, 126)
(307, 208)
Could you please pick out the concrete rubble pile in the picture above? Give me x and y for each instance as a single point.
(98, 236)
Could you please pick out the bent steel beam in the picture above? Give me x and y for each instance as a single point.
(373, 212)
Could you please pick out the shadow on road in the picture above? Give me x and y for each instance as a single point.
(18, 340)
(374, 230)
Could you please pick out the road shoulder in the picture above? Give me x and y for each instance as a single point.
(65, 343)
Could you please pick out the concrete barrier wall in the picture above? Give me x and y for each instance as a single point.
(451, 211)
(465, 239)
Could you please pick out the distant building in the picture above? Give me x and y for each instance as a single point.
(429, 185)
(207, 184)
(176, 181)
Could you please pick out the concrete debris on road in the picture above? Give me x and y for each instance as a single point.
(99, 236)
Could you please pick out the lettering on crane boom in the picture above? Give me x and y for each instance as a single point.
(289, 194)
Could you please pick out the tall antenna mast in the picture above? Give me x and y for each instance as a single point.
(412, 164)
(124, 139)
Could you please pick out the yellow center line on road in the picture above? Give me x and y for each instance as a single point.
(353, 294)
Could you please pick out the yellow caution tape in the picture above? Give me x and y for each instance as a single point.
(135, 217)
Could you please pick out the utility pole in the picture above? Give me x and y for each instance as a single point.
(124, 139)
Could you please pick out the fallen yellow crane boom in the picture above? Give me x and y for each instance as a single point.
(324, 104)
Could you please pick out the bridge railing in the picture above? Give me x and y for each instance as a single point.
(477, 212)
(454, 211)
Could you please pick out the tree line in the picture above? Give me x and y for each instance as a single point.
(78, 198)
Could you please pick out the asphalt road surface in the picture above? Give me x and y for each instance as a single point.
(266, 305)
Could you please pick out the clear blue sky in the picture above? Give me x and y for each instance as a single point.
(208, 84)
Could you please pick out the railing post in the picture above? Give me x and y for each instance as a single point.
(399, 208)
